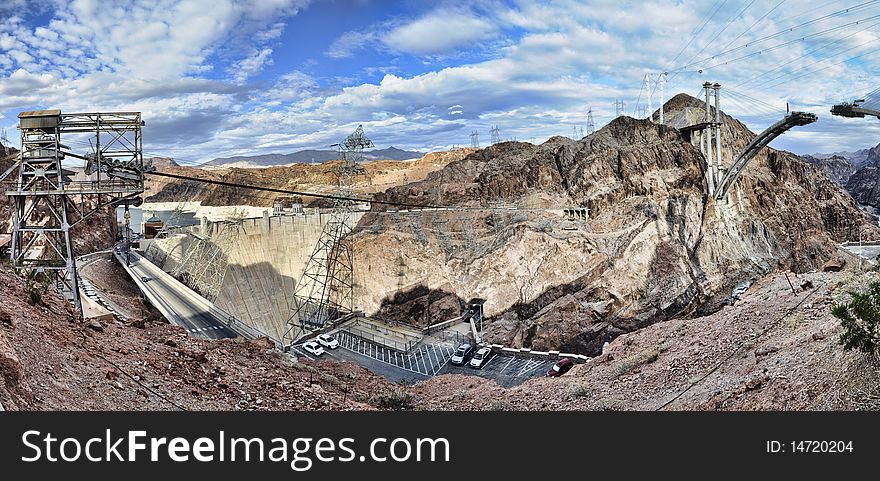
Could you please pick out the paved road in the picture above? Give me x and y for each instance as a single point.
(178, 303)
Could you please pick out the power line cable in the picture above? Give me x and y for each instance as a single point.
(780, 33)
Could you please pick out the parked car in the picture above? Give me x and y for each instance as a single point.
(480, 357)
(328, 341)
(560, 368)
(461, 354)
(313, 348)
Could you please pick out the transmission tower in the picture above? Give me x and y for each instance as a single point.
(326, 288)
(591, 125)
(618, 107)
(49, 203)
(496, 135)
(4, 141)
(205, 266)
(475, 139)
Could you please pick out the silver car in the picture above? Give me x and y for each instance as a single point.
(480, 357)
(461, 354)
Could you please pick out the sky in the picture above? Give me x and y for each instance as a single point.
(219, 78)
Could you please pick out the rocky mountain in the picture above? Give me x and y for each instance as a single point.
(837, 167)
(654, 246)
(856, 157)
(863, 183)
(379, 175)
(307, 157)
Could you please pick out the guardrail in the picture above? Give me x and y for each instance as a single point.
(526, 352)
(230, 321)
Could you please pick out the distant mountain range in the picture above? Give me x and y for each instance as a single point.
(308, 157)
(856, 158)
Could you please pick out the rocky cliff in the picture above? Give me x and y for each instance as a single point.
(836, 167)
(653, 245)
(379, 175)
(863, 184)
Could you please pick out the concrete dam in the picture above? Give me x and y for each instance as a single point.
(264, 258)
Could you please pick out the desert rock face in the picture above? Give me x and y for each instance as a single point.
(837, 167)
(863, 184)
(379, 175)
(654, 247)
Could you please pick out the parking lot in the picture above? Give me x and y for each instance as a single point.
(506, 370)
(427, 360)
(430, 360)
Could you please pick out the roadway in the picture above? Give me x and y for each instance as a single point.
(177, 302)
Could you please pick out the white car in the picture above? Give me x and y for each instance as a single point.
(313, 348)
(328, 341)
(480, 357)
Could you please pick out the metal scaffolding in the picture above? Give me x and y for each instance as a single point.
(205, 266)
(49, 200)
(325, 290)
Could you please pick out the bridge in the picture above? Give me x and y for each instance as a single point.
(793, 119)
(703, 128)
(855, 109)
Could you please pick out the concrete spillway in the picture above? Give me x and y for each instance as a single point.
(265, 257)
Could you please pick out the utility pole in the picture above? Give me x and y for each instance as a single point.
(717, 88)
(591, 126)
(475, 139)
(326, 288)
(662, 81)
(707, 133)
(496, 135)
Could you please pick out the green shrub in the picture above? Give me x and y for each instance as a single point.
(631, 363)
(859, 319)
(398, 400)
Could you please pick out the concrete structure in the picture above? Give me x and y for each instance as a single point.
(176, 302)
(264, 264)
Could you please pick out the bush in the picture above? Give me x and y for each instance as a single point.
(633, 362)
(37, 287)
(398, 400)
(580, 389)
(860, 320)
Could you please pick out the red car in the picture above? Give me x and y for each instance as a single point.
(560, 368)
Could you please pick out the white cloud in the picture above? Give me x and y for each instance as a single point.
(440, 32)
(348, 43)
(539, 66)
(252, 65)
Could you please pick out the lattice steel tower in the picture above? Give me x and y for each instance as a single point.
(325, 290)
(50, 201)
(496, 134)
(475, 139)
(591, 125)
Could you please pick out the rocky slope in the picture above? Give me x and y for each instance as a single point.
(380, 175)
(836, 167)
(863, 184)
(52, 360)
(774, 349)
(655, 246)
(307, 157)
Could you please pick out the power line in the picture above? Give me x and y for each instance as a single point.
(695, 33)
(729, 21)
(752, 25)
(291, 192)
(805, 54)
(790, 42)
(780, 33)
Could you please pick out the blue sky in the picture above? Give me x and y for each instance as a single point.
(218, 78)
